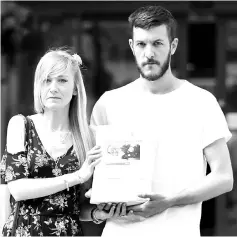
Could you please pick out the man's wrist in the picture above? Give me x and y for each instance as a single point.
(171, 200)
(178, 199)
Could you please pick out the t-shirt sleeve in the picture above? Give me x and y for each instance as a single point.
(14, 164)
(98, 116)
(214, 122)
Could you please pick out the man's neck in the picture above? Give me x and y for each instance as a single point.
(167, 83)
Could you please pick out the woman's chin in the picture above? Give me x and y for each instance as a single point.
(54, 107)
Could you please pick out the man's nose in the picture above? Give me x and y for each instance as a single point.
(149, 52)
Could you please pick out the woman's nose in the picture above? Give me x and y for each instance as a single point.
(53, 87)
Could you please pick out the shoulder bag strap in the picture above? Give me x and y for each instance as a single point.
(27, 121)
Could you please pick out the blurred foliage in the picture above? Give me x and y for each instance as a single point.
(13, 18)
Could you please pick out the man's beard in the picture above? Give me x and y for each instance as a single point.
(163, 68)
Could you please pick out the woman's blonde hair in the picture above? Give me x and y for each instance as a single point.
(57, 61)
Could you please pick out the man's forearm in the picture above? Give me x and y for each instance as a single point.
(211, 186)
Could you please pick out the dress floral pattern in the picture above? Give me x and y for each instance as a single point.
(53, 215)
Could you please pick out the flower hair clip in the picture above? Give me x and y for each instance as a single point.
(77, 58)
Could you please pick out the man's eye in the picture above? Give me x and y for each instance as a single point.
(157, 43)
(140, 44)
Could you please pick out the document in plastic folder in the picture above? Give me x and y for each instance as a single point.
(122, 173)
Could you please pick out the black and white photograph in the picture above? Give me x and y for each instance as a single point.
(124, 150)
(163, 74)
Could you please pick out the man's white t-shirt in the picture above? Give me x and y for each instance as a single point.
(183, 122)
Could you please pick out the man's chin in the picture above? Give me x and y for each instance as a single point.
(151, 77)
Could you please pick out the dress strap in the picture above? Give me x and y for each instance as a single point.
(27, 130)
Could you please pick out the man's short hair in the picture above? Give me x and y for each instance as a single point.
(151, 16)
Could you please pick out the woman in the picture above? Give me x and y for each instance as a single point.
(45, 171)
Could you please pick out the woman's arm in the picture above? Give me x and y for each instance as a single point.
(23, 189)
(28, 188)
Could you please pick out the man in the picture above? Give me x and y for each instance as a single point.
(188, 124)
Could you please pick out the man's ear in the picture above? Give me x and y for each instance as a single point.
(174, 45)
(130, 41)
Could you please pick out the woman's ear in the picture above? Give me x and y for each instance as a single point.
(74, 91)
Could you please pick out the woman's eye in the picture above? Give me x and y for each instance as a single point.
(48, 80)
(62, 80)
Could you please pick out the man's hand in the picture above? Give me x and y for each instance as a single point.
(156, 204)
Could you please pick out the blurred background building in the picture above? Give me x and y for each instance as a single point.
(98, 31)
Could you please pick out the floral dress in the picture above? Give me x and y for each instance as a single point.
(53, 215)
